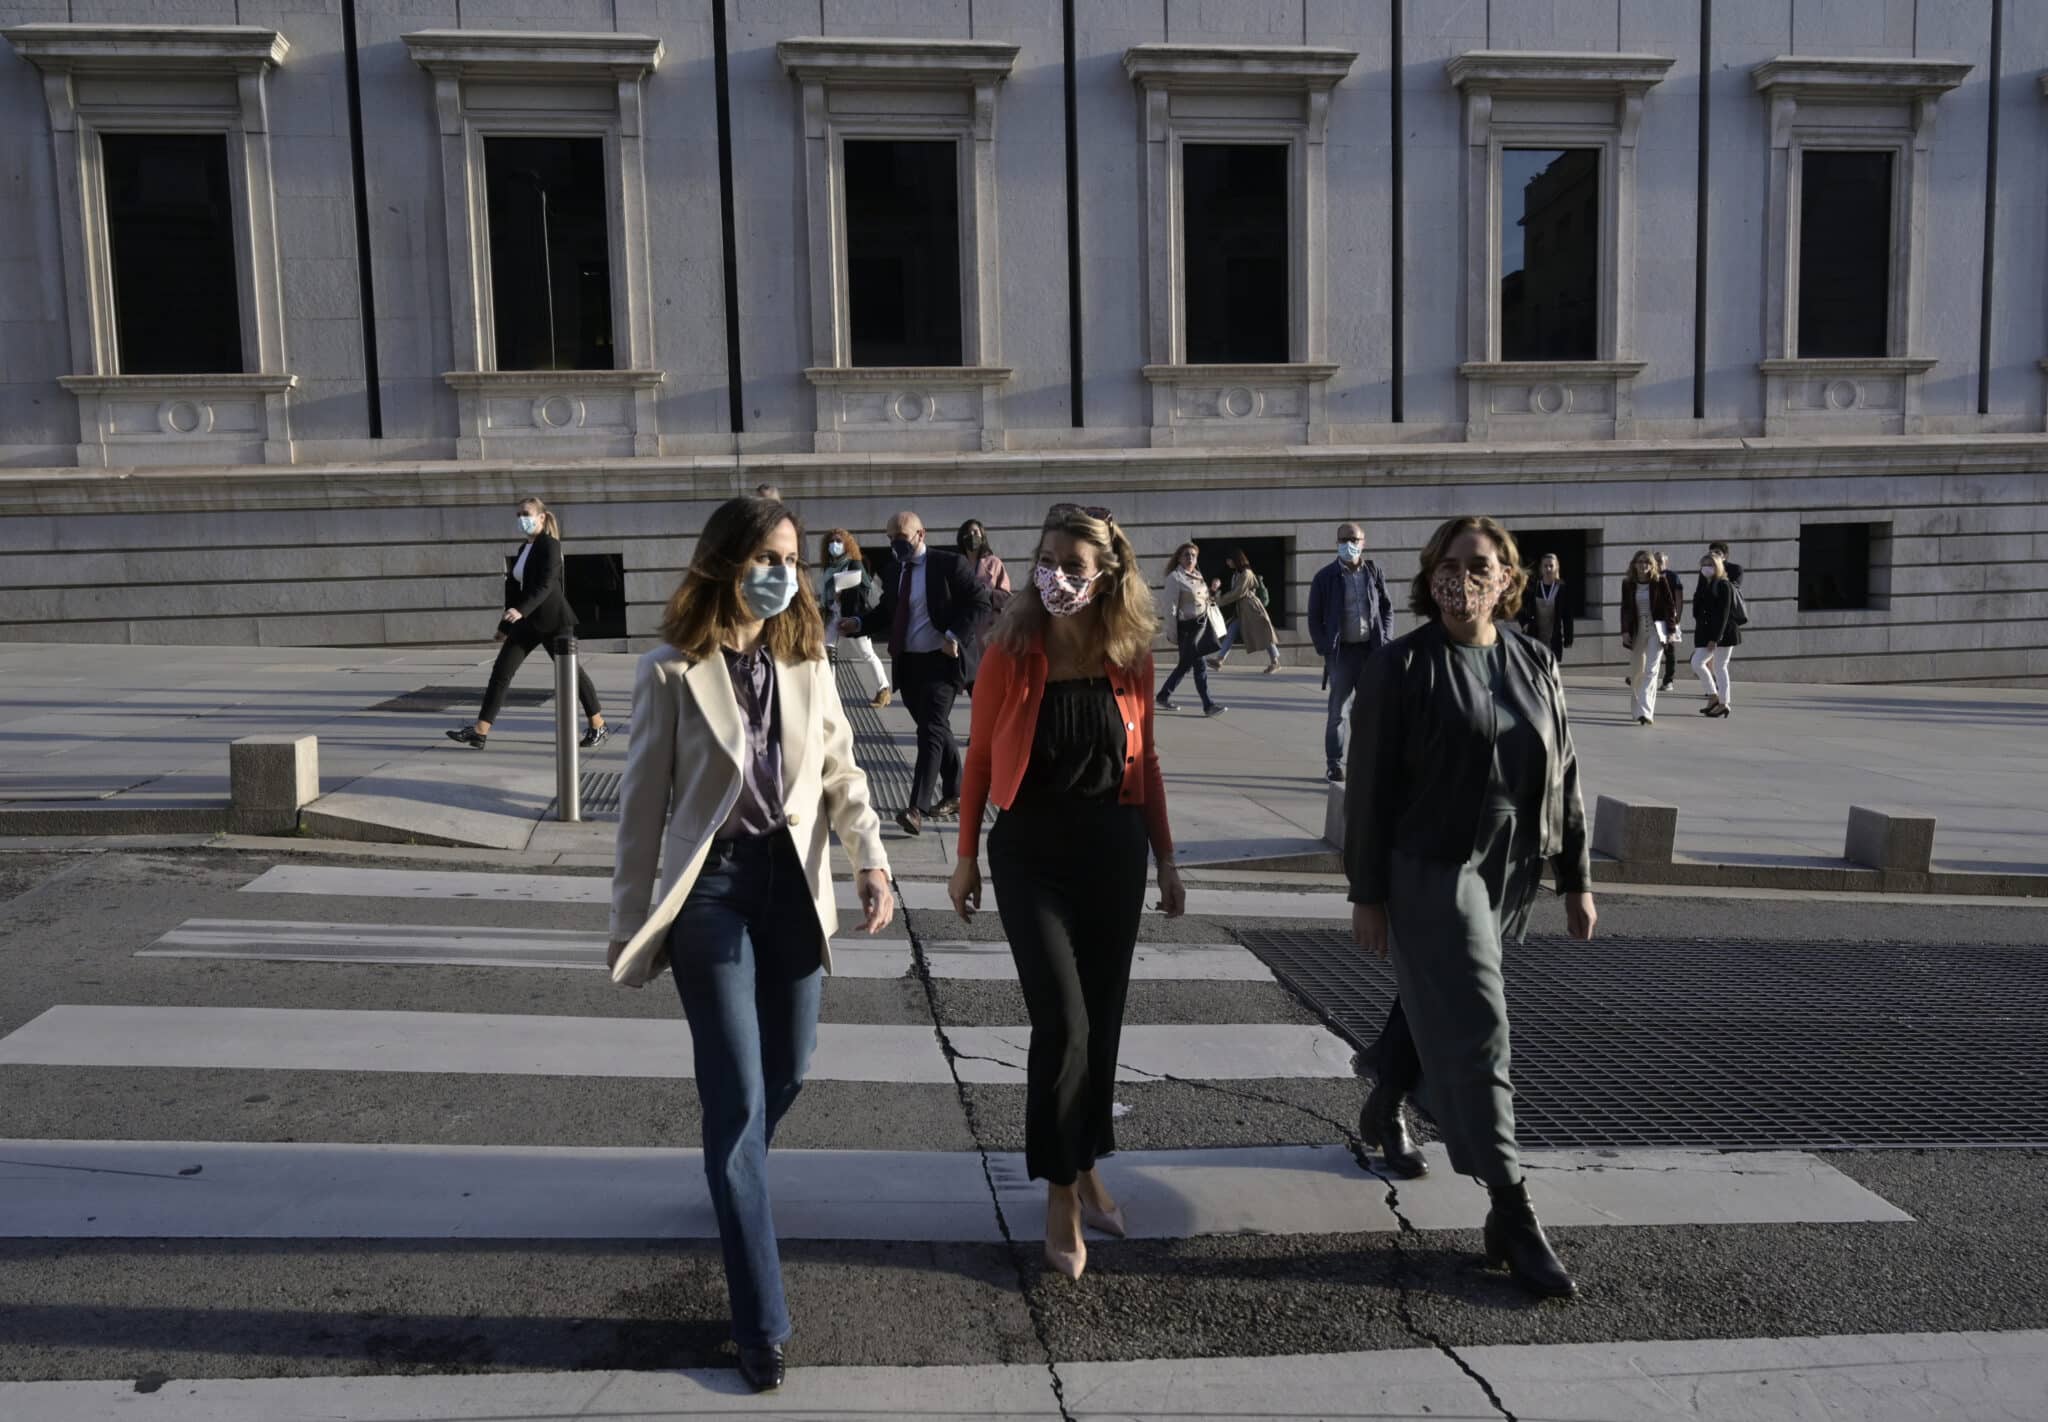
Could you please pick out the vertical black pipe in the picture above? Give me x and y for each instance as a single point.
(1074, 342)
(1397, 325)
(1699, 216)
(1990, 211)
(366, 286)
(729, 246)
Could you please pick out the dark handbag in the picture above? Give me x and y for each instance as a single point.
(1738, 613)
(1198, 634)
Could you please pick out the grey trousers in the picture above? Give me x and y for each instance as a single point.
(1446, 923)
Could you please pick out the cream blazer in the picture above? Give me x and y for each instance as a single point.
(683, 778)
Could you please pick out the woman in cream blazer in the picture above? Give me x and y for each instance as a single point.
(741, 760)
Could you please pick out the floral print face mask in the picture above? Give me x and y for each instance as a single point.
(1463, 595)
(1063, 594)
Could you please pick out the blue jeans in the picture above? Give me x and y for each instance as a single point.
(1186, 635)
(1345, 665)
(744, 950)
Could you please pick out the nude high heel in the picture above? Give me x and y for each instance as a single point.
(1110, 1222)
(1069, 1262)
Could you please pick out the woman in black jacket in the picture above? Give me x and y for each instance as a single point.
(1715, 632)
(1463, 787)
(536, 612)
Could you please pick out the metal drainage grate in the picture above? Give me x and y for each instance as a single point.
(1735, 1044)
(600, 794)
(456, 698)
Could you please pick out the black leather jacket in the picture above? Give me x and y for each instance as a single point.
(1418, 772)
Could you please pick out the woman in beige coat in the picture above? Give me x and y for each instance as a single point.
(740, 757)
(1250, 627)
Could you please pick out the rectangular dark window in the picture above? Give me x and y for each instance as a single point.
(903, 251)
(1844, 567)
(171, 243)
(1575, 549)
(595, 585)
(1845, 253)
(1234, 201)
(551, 265)
(1550, 254)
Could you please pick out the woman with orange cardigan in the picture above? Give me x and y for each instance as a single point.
(1062, 743)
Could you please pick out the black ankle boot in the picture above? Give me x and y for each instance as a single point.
(1383, 1126)
(1514, 1238)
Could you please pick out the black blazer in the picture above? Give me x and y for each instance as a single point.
(953, 596)
(1419, 770)
(1560, 627)
(1699, 584)
(1713, 618)
(538, 596)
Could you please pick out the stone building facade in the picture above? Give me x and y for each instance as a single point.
(298, 296)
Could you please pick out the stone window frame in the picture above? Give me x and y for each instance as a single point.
(527, 84)
(1872, 105)
(101, 78)
(888, 88)
(1515, 99)
(1264, 94)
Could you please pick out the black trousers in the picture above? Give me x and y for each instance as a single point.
(510, 656)
(926, 686)
(1395, 1062)
(1069, 878)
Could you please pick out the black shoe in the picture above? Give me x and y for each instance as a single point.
(1644, 721)
(1164, 704)
(1335, 775)
(947, 808)
(1720, 709)
(911, 821)
(1710, 709)
(1214, 708)
(1382, 1126)
(467, 736)
(1514, 1238)
(595, 736)
(762, 1367)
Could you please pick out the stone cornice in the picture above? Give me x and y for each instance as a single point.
(226, 49)
(1238, 66)
(1849, 78)
(534, 53)
(1499, 71)
(231, 382)
(1051, 472)
(525, 380)
(897, 63)
(928, 375)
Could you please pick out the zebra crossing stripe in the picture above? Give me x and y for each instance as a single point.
(1882, 1377)
(216, 1190)
(515, 1044)
(345, 881)
(292, 941)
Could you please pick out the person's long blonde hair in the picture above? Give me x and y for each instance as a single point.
(706, 608)
(549, 524)
(1122, 612)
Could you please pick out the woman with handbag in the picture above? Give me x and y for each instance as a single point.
(841, 597)
(1246, 600)
(1062, 743)
(741, 769)
(1649, 616)
(1197, 626)
(1463, 787)
(536, 613)
(1717, 619)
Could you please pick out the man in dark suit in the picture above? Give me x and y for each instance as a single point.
(930, 599)
(1677, 586)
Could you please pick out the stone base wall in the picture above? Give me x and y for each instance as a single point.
(397, 554)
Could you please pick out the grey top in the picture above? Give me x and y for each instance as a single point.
(758, 811)
(1518, 753)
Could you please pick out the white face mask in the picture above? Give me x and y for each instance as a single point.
(836, 549)
(1707, 570)
(529, 524)
(1350, 551)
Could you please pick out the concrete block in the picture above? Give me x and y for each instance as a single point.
(1333, 817)
(1883, 839)
(269, 779)
(1634, 831)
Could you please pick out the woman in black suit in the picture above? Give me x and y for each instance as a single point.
(536, 612)
(1544, 615)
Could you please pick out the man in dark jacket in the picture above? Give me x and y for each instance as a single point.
(930, 599)
(1677, 586)
(1349, 618)
(1734, 568)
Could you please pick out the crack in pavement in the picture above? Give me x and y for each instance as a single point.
(921, 965)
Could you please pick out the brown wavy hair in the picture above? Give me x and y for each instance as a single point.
(1438, 548)
(1123, 613)
(852, 545)
(706, 607)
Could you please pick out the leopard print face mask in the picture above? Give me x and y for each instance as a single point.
(1463, 596)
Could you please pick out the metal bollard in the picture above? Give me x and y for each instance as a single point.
(568, 777)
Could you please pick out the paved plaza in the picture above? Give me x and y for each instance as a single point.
(299, 1128)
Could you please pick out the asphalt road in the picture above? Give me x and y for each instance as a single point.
(1975, 1254)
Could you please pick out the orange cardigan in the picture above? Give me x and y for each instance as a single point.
(1007, 690)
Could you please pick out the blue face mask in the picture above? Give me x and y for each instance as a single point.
(836, 549)
(1350, 552)
(767, 591)
(529, 525)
